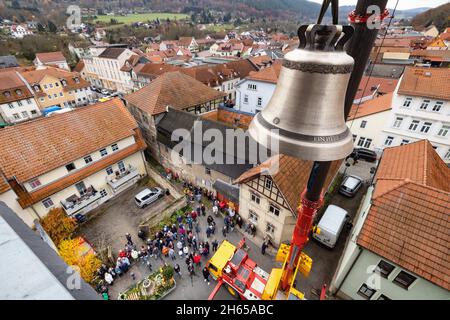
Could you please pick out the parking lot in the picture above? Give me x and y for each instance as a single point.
(111, 221)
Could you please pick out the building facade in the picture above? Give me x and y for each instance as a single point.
(255, 91)
(270, 194)
(390, 254)
(420, 110)
(56, 87)
(51, 59)
(17, 102)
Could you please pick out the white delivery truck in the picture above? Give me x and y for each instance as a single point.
(330, 225)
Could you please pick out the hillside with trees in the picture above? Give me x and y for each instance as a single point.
(438, 16)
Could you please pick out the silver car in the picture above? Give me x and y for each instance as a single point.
(350, 185)
(148, 196)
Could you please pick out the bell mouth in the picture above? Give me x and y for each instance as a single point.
(314, 148)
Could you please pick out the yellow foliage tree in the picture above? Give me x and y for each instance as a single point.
(71, 252)
(58, 225)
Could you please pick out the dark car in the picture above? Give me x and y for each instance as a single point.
(364, 154)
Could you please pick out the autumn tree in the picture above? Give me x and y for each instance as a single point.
(72, 253)
(58, 225)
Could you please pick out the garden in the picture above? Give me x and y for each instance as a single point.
(153, 287)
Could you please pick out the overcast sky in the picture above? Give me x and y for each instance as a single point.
(402, 4)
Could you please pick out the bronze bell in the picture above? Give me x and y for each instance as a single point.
(305, 115)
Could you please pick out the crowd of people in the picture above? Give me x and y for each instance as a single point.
(181, 240)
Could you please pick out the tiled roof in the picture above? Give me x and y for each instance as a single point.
(156, 69)
(48, 57)
(112, 53)
(36, 76)
(242, 66)
(184, 41)
(372, 106)
(417, 161)
(368, 85)
(79, 67)
(32, 148)
(426, 82)
(269, 74)
(9, 83)
(261, 61)
(409, 225)
(173, 89)
(409, 220)
(291, 177)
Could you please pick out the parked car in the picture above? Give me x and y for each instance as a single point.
(148, 196)
(350, 185)
(104, 92)
(330, 225)
(364, 154)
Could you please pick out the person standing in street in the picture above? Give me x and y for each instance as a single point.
(128, 237)
(264, 247)
(224, 231)
(177, 269)
(215, 244)
(206, 275)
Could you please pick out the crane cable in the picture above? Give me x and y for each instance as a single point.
(376, 58)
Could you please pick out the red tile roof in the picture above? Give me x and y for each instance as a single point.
(49, 57)
(409, 220)
(291, 177)
(372, 106)
(173, 89)
(269, 74)
(9, 84)
(4, 186)
(368, 85)
(38, 146)
(409, 225)
(426, 82)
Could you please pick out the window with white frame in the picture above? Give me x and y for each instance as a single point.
(88, 159)
(398, 122)
(109, 170)
(103, 152)
(388, 140)
(367, 143)
(274, 210)
(115, 147)
(363, 124)
(444, 130)
(47, 203)
(270, 228)
(121, 166)
(251, 86)
(245, 98)
(425, 127)
(255, 198)
(259, 103)
(253, 217)
(16, 116)
(361, 141)
(424, 105)
(437, 106)
(447, 155)
(103, 193)
(10, 105)
(413, 126)
(366, 292)
(268, 183)
(404, 279)
(35, 183)
(407, 102)
(354, 137)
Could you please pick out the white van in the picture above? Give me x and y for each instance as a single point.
(330, 225)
